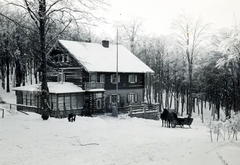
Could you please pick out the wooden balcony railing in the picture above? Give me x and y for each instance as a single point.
(93, 85)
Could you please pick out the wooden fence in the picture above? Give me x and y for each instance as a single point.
(138, 108)
(26, 108)
(147, 111)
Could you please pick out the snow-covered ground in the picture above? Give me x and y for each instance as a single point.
(105, 140)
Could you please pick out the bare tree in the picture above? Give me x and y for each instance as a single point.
(130, 31)
(43, 14)
(190, 35)
(6, 47)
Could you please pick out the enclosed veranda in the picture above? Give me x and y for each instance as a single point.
(64, 98)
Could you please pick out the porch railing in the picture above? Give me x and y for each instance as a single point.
(93, 85)
(131, 109)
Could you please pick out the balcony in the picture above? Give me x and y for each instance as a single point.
(94, 85)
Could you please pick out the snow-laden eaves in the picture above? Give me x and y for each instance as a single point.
(54, 87)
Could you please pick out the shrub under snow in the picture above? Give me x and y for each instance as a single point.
(230, 127)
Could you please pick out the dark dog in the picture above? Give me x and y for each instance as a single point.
(71, 117)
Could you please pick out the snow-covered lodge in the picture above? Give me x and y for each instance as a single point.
(83, 76)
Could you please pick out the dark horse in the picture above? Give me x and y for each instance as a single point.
(168, 117)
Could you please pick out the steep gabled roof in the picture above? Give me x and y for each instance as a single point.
(96, 58)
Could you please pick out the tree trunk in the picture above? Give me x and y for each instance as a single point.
(18, 73)
(183, 102)
(177, 101)
(218, 110)
(8, 73)
(42, 21)
(171, 95)
(198, 106)
(3, 75)
(45, 91)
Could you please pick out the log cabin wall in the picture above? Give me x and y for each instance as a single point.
(125, 98)
(124, 81)
(74, 76)
(94, 102)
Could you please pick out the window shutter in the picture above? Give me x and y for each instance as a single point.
(102, 78)
(118, 78)
(110, 99)
(114, 78)
(111, 78)
(132, 78)
(118, 98)
(135, 98)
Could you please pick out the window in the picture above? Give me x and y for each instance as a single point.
(74, 101)
(24, 98)
(99, 95)
(54, 100)
(114, 98)
(80, 100)
(132, 78)
(102, 78)
(93, 77)
(64, 58)
(34, 98)
(67, 104)
(99, 103)
(61, 102)
(67, 59)
(114, 78)
(132, 97)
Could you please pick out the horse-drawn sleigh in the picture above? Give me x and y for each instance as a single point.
(170, 119)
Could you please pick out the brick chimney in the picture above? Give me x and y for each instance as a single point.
(105, 43)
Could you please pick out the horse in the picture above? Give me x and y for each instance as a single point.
(163, 116)
(168, 117)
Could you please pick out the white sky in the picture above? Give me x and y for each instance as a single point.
(158, 15)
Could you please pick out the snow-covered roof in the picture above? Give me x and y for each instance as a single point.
(96, 58)
(54, 87)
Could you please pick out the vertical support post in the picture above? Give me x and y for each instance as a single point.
(117, 76)
(130, 109)
(144, 108)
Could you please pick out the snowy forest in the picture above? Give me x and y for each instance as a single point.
(193, 64)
